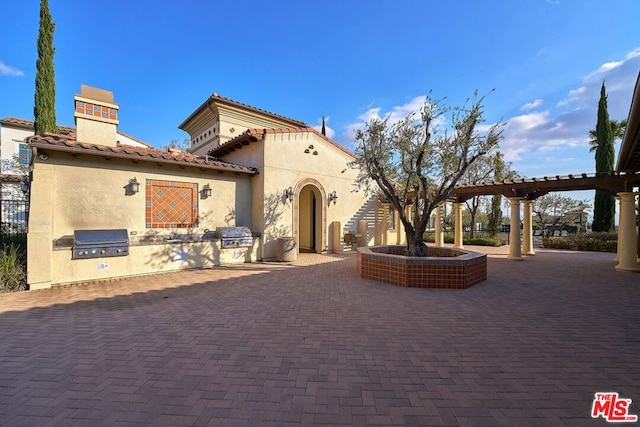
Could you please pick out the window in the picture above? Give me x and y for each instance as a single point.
(391, 219)
(24, 154)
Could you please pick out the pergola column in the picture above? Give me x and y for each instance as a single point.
(457, 229)
(627, 237)
(527, 228)
(439, 235)
(515, 251)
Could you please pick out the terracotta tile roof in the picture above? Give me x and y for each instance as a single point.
(29, 125)
(253, 135)
(57, 142)
(224, 100)
(62, 130)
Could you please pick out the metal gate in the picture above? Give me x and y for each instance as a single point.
(14, 216)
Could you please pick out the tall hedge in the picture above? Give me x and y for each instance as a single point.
(604, 203)
(44, 109)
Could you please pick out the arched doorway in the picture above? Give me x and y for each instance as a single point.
(310, 216)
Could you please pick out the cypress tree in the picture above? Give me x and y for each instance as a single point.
(604, 204)
(44, 109)
(324, 128)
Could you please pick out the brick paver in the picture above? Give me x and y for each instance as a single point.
(314, 344)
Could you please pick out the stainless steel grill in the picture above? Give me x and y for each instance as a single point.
(235, 237)
(100, 243)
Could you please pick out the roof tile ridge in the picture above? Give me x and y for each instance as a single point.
(216, 95)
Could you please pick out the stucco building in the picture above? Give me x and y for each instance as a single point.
(249, 167)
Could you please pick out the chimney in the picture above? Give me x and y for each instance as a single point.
(96, 116)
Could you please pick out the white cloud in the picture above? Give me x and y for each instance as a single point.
(609, 66)
(397, 113)
(527, 122)
(530, 139)
(554, 140)
(537, 103)
(7, 70)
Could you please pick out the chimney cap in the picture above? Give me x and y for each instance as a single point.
(96, 94)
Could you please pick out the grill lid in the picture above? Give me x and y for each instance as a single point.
(100, 237)
(233, 232)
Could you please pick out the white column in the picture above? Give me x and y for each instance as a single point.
(627, 237)
(457, 239)
(527, 228)
(439, 234)
(515, 251)
(385, 224)
(363, 240)
(335, 244)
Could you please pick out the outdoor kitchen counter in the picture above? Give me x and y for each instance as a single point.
(149, 254)
(66, 242)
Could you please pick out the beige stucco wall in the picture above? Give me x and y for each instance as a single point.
(285, 164)
(102, 132)
(219, 123)
(88, 192)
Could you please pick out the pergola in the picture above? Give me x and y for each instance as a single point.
(621, 184)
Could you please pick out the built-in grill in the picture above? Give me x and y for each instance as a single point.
(235, 237)
(100, 243)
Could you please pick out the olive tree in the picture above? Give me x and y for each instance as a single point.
(419, 160)
(554, 211)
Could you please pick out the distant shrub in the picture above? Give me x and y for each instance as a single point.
(597, 242)
(611, 246)
(589, 244)
(483, 241)
(430, 237)
(556, 243)
(13, 274)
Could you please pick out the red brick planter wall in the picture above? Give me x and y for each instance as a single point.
(451, 268)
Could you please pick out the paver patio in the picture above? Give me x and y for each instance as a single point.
(314, 344)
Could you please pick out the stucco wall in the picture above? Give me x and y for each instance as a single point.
(88, 192)
(283, 163)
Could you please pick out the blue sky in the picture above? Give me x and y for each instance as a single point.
(347, 60)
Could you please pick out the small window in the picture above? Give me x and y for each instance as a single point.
(24, 155)
(392, 219)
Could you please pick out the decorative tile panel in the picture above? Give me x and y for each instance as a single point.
(96, 110)
(171, 204)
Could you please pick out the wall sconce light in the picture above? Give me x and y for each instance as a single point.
(134, 186)
(24, 186)
(288, 193)
(205, 192)
(333, 197)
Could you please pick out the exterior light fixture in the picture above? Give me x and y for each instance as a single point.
(333, 197)
(24, 186)
(288, 193)
(205, 192)
(134, 186)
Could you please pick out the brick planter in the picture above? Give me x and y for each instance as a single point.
(448, 268)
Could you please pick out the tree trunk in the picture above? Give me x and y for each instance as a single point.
(473, 224)
(417, 247)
